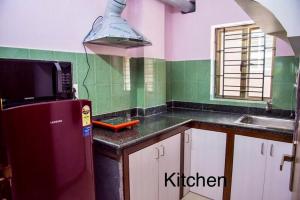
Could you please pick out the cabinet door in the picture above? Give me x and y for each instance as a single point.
(143, 174)
(208, 159)
(169, 162)
(276, 185)
(187, 157)
(249, 163)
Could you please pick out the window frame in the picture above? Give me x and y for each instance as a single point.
(244, 83)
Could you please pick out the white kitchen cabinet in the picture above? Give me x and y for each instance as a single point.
(143, 172)
(276, 185)
(256, 174)
(248, 168)
(187, 156)
(169, 162)
(147, 169)
(208, 159)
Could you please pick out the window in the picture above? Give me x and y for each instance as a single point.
(243, 65)
(126, 72)
(149, 75)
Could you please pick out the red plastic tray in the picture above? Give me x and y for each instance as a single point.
(116, 127)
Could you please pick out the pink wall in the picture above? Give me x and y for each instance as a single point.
(188, 36)
(49, 24)
(148, 16)
(62, 25)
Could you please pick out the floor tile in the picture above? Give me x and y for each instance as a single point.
(193, 196)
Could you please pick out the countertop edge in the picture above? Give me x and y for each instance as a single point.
(149, 136)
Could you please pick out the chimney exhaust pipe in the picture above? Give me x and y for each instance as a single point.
(184, 6)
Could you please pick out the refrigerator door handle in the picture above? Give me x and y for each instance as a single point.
(7, 172)
(2, 179)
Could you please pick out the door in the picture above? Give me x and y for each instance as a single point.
(276, 185)
(50, 155)
(187, 157)
(295, 170)
(208, 160)
(249, 163)
(169, 163)
(143, 173)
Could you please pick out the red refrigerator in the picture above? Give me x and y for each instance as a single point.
(49, 149)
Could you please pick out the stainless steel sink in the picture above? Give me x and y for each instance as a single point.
(266, 122)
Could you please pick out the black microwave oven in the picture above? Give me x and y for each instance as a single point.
(29, 81)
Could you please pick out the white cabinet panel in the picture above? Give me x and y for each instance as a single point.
(143, 173)
(248, 168)
(147, 169)
(169, 162)
(256, 174)
(276, 185)
(208, 159)
(187, 157)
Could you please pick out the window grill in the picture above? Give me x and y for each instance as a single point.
(244, 60)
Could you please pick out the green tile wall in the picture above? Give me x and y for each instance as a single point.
(151, 82)
(107, 78)
(190, 81)
(284, 79)
(154, 81)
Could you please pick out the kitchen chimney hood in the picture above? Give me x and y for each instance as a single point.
(113, 30)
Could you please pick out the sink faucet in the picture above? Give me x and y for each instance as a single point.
(269, 105)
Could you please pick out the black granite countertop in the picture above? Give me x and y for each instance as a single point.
(156, 124)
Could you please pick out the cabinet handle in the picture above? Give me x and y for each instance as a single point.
(271, 150)
(162, 152)
(156, 153)
(187, 138)
(262, 148)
